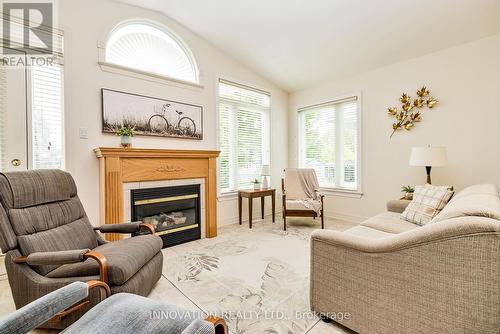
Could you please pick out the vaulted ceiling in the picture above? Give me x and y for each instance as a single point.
(297, 43)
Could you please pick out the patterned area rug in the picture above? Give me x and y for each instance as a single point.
(258, 279)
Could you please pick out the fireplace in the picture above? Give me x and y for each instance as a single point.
(174, 212)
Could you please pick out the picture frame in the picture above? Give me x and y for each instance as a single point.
(150, 116)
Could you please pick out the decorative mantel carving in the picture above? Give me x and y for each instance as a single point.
(119, 165)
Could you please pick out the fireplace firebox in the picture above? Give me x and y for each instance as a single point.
(174, 212)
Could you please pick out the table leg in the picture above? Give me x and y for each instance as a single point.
(239, 208)
(262, 199)
(250, 209)
(273, 200)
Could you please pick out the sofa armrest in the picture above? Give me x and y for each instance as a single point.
(431, 233)
(397, 205)
(125, 228)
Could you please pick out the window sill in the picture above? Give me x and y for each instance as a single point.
(134, 73)
(341, 192)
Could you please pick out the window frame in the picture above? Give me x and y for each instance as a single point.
(146, 75)
(231, 195)
(336, 190)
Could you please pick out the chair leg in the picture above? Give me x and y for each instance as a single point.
(322, 220)
(284, 222)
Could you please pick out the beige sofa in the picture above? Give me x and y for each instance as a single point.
(391, 276)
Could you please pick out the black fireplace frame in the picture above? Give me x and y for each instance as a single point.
(174, 238)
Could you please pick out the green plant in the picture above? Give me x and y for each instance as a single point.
(125, 131)
(255, 181)
(407, 189)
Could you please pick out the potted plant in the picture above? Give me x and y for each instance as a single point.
(408, 192)
(256, 184)
(126, 133)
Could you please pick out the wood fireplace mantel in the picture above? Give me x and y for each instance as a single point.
(120, 165)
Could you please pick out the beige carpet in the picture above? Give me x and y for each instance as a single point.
(257, 279)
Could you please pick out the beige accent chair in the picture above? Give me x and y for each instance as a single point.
(392, 276)
(297, 200)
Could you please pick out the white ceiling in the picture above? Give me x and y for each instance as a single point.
(297, 43)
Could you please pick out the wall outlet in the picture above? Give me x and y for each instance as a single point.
(84, 133)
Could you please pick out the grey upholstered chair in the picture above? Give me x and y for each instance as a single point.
(49, 243)
(121, 313)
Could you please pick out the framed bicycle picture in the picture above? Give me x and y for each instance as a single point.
(150, 116)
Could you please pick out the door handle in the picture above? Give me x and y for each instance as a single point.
(15, 162)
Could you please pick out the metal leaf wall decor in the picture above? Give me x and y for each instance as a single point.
(411, 109)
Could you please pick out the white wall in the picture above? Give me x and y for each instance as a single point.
(86, 22)
(466, 81)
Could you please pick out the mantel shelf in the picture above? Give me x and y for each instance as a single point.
(153, 153)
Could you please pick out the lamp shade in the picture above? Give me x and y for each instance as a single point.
(428, 156)
(266, 170)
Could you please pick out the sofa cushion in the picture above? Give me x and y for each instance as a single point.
(367, 232)
(296, 204)
(124, 258)
(480, 200)
(389, 222)
(428, 201)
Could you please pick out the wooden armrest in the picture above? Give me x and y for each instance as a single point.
(103, 264)
(219, 324)
(91, 284)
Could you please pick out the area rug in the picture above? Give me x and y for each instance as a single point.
(257, 279)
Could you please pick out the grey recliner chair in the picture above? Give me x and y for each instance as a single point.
(49, 242)
(122, 313)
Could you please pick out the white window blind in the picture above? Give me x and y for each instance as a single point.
(243, 135)
(47, 117)
(146, 48)
(329, 143)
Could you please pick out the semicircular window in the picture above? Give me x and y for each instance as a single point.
(145, 47)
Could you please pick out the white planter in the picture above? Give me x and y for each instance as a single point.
(256, 186)
(126, 141)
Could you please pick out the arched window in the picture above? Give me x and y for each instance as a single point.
(150, 48)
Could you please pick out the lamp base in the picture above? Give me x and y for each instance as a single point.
(428, 170)
(265, 182)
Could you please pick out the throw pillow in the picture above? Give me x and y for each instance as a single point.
(428, 201)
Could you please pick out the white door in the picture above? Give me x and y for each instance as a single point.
(14, 99)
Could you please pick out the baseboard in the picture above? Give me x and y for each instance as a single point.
(234, 219)
(348, 218)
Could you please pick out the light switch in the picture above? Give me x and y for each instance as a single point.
(84, 133)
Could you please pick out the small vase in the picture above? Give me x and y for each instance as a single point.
(126, 141)
(256, 186)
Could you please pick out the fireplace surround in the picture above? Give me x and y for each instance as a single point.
(119, 166)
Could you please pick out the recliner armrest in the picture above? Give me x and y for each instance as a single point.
(66, 257)
(125, 228)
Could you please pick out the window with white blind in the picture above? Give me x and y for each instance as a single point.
(151, 48)
(47, 148)
(243, 135)
(329, 142)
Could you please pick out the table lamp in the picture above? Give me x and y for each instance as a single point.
(428, 157)
(265, 172)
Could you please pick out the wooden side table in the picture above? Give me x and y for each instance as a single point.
(251, 194)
